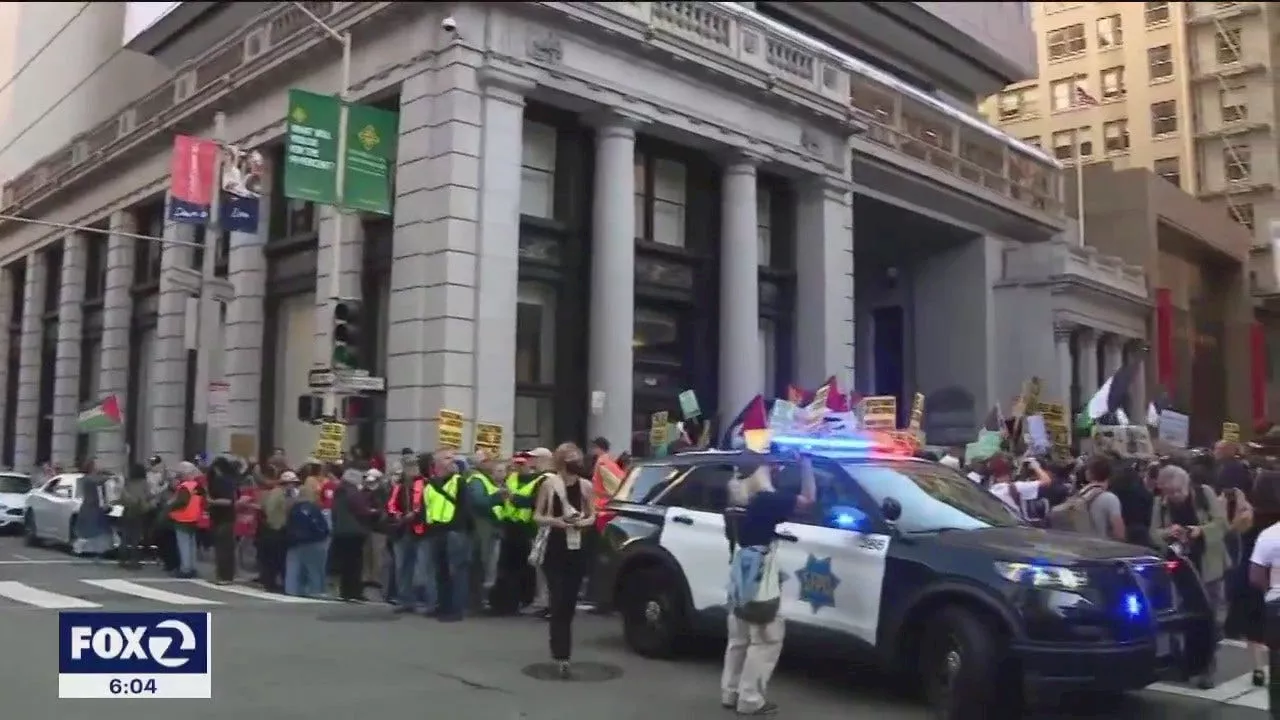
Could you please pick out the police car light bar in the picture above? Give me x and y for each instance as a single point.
(858, 445)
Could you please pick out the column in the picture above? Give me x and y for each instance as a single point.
(350, 270)
(1062, 342)
(613, 269)
(431, 313)
(741, 363)
(117, 319)
(6, 319)
(1113, 354)
(66, 371)
(1138, 391)
(1087, 363)
(247, 273)
(169, 386)
(28, 410)
(498, 262)
(824, 284)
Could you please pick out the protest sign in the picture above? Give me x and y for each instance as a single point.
(1123, 440)
(1174, 428)
(880, 412)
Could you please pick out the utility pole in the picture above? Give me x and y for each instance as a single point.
(335, 266)
(207, 317)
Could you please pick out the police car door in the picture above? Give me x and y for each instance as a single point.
(693, 531)
(833, 558)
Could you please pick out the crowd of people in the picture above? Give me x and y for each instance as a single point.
(437, 534)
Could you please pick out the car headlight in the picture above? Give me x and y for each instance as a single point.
(1042, 576)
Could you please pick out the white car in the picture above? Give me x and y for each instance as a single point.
(51, 510)
(14, 487)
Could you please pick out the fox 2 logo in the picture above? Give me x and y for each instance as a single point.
(133, 643)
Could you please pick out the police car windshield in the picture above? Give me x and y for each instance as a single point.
(933, 497)
(16, 484)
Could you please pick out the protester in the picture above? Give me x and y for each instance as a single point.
(444, 555)
(223, 486)
(1136, 501)
(407, 530)
(352, 520)
(375, 549)
(515, 585)
(565, 508)
(755, 640)
(307, 534)
(1017, 493)
(1264, 575)
(274, 505)
(1191, 520)
(136, 504)
(185, 512)
(1103, 506)
(92, 531)
(1246, 614)
(488, 494)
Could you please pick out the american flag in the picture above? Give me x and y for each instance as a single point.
(1084, 98)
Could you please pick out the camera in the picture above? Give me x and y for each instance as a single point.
(449, 25)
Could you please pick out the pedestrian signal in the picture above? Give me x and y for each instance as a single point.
(346, 335)
(310, 408)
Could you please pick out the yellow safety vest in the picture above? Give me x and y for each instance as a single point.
(514, 514)
(442, 503)
(490, 489)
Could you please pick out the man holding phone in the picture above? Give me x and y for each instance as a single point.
(1017, 494)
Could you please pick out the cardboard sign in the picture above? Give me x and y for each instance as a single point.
(658, 430)
(820, 397)
(880, 412)
(488, 438)
(689, 405)
(244, 445)
(329, 444)
(1123, 440)
(1174, 428)
(917, 412)
(1230, 432)
(449, 429)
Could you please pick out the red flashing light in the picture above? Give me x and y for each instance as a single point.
(1171, 566)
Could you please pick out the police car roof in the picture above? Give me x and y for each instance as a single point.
(711, 457)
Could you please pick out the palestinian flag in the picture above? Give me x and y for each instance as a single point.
(750, 428)
(101, 417)
(1110, 400)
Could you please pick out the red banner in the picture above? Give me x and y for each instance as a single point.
(1165, 370)
(191, 179)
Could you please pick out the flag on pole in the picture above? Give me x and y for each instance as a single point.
(1114, 393)
(101, 417)
(745, 429)
(1084, 98)
(795, 395)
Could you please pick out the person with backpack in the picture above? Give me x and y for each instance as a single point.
(1094, 510)
(1189, 519)
(307, 534)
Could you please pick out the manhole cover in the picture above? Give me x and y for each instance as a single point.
(579, 671)
(359, 615)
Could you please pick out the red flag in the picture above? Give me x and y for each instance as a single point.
(755, 416)
(836, 400)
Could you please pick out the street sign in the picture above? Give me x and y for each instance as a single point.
(320, 379)
(347, 382)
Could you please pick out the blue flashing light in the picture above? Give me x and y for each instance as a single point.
(855, 446)
(847, 518)
(1132, 606)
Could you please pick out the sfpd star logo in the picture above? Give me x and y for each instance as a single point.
(817, 583)
(299, 115)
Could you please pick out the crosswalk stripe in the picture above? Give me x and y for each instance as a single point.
(1228, 691)
(27, 595)
(150, 593)
(254, 593)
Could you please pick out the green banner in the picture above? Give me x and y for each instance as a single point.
(371, 158)
(311, 153)
(311, 147)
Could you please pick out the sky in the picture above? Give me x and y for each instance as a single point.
(138, 16)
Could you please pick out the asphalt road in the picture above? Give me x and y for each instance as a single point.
(321, 660)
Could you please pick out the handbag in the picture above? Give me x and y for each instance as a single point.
(538, 551)
(762, 607)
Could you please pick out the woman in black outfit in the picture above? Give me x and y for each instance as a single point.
(566, 509)
(1246, 609)
(1136, 502)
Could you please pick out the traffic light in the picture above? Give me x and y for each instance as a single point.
(355, 409)
(310, 408)
(346, 335)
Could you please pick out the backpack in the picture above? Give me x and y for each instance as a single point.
(1073, 514)
(306, 524)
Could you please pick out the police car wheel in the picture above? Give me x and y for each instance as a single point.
(959, 662)
(29, 529)
(652, 619)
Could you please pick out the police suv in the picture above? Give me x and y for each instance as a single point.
(914, 566)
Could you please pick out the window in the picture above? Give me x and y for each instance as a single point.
(1110, 34)
(1033, 141)
(535, 333)
(1115, 136)
(95, 275)
(660, 218)
(764, 224)
(1227, 44)
(1064, 145)
(1164, 118)
(1160, 62)
(1066, 41)
(1113, 83)
(1242, 213)
(1170, 169)
(1157, 13)
(1083, 137)
(15, 484)
(769, 355)
(1233, 102)
(932, 497)
(704, 488)
(1063, 91)
(538, 170)
(1237, 161)
(1015, 103)
(656, 333)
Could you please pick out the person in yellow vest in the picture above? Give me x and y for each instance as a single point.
(516, 582)
(446, 508)
(488, 494)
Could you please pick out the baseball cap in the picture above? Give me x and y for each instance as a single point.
(289, 476)
(539, 452)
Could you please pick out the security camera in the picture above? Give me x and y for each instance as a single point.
(449, 25)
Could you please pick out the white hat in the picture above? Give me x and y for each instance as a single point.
(950, 461)
(540, 452)
(289, 476)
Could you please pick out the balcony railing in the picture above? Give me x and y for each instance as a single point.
(904, 120)
(1088, 262)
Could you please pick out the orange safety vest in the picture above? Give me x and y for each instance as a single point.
(605, 481)
(394, 504)
(191, 513)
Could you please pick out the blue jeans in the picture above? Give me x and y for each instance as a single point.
(304, 569)
(456, 548)
(185, 538)
(406, 554)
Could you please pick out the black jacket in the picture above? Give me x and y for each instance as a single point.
(351, 516)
